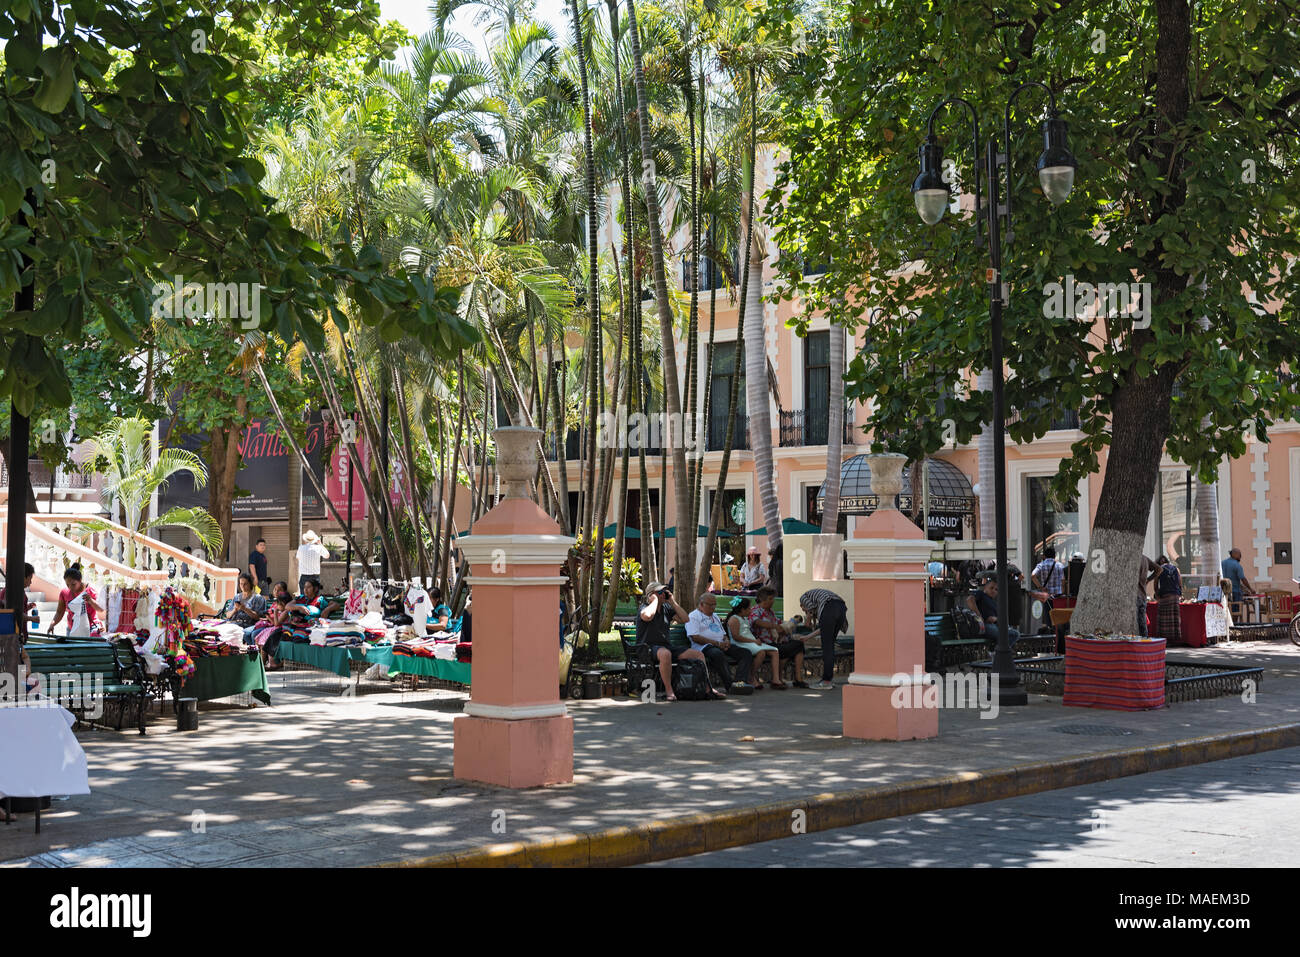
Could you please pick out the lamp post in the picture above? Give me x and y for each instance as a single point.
(1056, 166)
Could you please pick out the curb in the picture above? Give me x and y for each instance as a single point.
(713, 831)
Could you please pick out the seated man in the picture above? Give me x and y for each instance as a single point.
(763, 623)
(708, 637)
(984, 603)
(657, 611)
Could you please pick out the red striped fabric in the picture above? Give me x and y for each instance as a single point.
(1115, 675)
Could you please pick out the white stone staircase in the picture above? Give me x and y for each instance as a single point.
(116, 557)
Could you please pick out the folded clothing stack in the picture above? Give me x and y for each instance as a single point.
(445, 650)
(463, 651)
(218, 629)
(344, 633)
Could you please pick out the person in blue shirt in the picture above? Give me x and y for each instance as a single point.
(1236, 573)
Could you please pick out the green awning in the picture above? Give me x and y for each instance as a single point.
(629, 532)
(790, 526)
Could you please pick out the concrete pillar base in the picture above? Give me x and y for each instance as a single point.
(522, 753)
(870, 712)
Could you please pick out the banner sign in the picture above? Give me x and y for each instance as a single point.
(264, 473)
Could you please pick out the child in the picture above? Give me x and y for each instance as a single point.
(269, 631)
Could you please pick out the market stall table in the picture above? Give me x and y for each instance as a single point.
(39, 755)
(335, 659)
(1199, 621)
(220, 676)
(440, 668)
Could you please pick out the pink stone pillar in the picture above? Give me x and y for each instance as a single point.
(887, 557)
(515, 731)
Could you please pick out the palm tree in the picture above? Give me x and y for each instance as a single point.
(123, 453)
(672, 385)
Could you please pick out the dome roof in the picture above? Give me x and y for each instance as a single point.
(950, 489)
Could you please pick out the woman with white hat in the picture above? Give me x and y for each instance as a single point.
(753, 574)
(310, 553)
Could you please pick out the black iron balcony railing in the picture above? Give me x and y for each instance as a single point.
(1066, 419)
(798, 427)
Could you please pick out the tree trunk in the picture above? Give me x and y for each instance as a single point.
(759, 408)
(595, 511)
(681, 477)
(834, 434)
(1140, 407)
(702, 576)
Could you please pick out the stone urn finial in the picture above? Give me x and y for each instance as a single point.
(886, 477)
(516, 458)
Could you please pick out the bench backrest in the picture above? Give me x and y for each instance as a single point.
(76, 659)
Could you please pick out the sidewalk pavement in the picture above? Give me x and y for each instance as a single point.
(319, 779)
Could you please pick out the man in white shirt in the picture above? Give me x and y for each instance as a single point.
(310, 553)
(710, 639)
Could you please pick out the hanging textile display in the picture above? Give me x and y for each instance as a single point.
(173, 618)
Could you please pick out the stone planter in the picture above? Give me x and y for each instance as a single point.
(886, 477)
(516, 458)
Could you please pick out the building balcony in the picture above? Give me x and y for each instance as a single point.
(42, 478)
(799, 428)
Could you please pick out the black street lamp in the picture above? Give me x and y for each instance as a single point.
(1056, 166)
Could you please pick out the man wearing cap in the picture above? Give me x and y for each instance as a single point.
(310, 553)
(753, 574)
(658, 608)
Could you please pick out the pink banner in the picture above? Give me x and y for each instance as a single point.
(336, 479)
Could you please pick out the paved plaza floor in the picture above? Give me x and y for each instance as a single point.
(323, 779)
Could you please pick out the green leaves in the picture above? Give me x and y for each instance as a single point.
(59, 82)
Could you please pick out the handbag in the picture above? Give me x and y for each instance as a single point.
(691, 680)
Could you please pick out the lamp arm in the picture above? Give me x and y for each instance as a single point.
(1006, 131)
(975, 142)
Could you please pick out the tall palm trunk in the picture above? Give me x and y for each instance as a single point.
(760, 416)
(595, 512)
(681, 477)
(747, 214)
(835, 433)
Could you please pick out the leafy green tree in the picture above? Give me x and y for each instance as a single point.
(1184, 127)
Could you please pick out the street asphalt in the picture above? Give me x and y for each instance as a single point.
(1241, 812)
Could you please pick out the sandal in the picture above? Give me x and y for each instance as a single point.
(717, 695)
(800, 684)
(778, 685)
(671, 697)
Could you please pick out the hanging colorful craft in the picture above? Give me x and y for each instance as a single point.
(173, 617)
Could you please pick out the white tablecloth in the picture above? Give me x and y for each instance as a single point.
(39, 755)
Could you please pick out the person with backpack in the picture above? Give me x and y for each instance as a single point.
(1169, 592)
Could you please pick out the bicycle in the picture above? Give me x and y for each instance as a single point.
(1295, 622)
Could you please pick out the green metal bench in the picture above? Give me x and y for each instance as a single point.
(121, 677)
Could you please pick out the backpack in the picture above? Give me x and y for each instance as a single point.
(1167, 583)
(691, 681)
